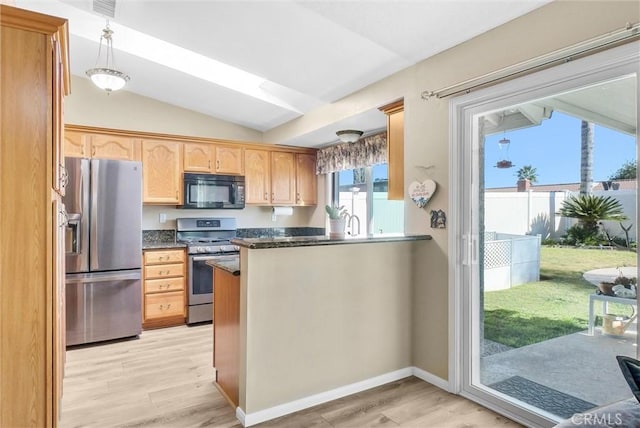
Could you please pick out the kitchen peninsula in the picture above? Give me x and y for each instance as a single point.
(321, 318)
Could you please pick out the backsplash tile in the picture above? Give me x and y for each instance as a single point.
(158, 236)
(273, 232)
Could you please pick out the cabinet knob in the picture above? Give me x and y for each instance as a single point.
(266, 196)
(209, 163)
(93, 151)
(217, 165)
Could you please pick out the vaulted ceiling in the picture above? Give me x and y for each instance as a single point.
(294, 55)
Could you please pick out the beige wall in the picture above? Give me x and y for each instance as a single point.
(322, 317)
(551, 27)
(247, 217)
(88, 105)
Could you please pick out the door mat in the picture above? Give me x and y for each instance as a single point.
(542, 397)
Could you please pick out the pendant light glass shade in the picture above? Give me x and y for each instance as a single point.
(106, 77)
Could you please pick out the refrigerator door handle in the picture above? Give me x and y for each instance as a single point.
(84, 278)
(74, 233)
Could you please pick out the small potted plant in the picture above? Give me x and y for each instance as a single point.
(337, 220)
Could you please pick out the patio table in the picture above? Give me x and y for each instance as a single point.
(605, 306)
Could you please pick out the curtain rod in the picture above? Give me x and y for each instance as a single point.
(615, 38)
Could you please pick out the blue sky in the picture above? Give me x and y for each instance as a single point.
(553, 148)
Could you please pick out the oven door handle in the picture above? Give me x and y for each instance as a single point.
(202, 258)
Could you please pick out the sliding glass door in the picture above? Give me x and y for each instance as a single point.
(539, 321)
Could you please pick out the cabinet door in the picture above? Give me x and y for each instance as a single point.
(257, 176)
(114, 147)
(59, 217)
(283, 178)
(76, 144)
(229, 160)
(306, 180)
(198, 157)
(162, 172)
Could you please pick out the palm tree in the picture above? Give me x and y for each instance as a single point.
(586, 157)
(527, 172)
(590, 209)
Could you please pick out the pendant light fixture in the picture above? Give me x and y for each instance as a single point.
(105, 76)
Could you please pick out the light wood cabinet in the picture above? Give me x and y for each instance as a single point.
(33, 60)
(161, 172)
(198, 157)
(76, 144)
(226, 333)
(114, 147)
(164, 297)
(283, 178)
(228, 160)
(395, 148)
(280, 178)
(257, 176)
(306, 179)
(101, 146)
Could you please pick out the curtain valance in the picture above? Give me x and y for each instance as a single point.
(367, 151)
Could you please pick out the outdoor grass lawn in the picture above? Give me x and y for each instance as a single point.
(555, 306)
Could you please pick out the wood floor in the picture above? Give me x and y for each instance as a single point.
(165, 379)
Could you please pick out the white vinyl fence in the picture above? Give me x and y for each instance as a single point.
(534, 213)
(510, 260)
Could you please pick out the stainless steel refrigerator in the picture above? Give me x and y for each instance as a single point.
(103, 250)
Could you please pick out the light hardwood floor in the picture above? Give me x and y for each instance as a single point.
(165, 379)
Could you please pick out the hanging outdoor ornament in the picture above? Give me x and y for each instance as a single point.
(504, 148)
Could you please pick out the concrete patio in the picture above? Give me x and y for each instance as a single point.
(579, 365)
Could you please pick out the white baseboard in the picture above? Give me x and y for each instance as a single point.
(250, 419)
(431, 378)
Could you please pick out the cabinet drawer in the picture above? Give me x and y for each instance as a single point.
(164, 256)
(164, 271)
(163, 305)
(162, 285)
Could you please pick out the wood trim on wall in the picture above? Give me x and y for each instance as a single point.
(187, 139)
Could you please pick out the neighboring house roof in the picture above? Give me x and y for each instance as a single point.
(572, 187)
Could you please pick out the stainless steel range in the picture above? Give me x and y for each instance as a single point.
(207, 238)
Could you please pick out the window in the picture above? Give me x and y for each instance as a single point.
(363, 192)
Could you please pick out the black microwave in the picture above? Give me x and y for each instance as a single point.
(211, 191)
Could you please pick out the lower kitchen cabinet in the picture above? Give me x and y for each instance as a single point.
(164, 299)
(226, 333)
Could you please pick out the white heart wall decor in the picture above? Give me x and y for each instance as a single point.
(421, 193)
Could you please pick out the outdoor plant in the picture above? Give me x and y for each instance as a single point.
(527, 172)
(335, 212)
(590, 209)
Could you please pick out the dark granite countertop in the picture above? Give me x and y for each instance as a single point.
(161, 245)
(229, 264)
(308, 241)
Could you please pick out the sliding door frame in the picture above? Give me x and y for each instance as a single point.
(464, 175)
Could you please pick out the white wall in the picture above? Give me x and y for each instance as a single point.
(534, 213)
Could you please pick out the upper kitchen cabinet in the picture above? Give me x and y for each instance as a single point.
(283, 178)
(198, 157)
(257, 164)
(280, 178)
(162, 172)
(100, 146)
(76, 144)
(228, 160)
(114, 147)
(306, 179)
(34, 64)
(395, 148)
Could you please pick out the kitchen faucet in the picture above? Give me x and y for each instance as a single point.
(350, 218)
